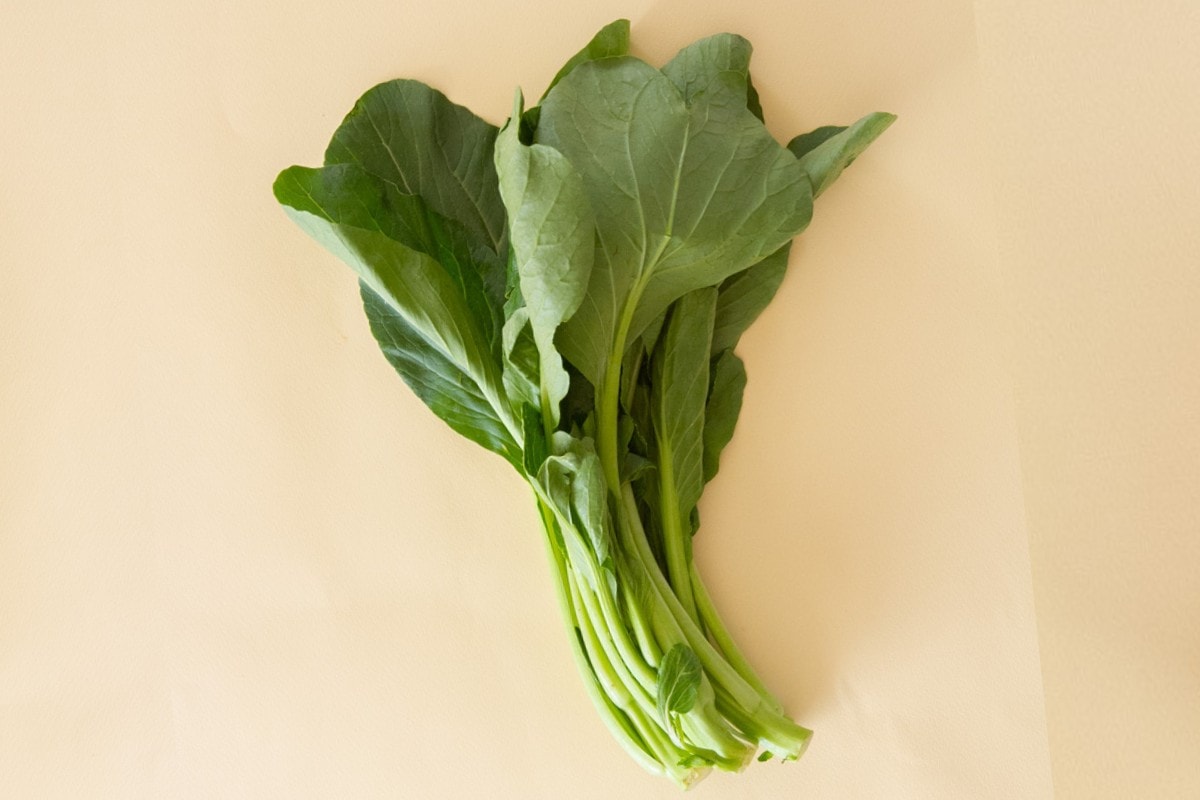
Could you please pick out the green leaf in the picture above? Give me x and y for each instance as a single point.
(679, 676)
(679, 393)
(353, 197)
(724, 406)
(438, 325)
(715, 69)
(610, 41)
(574, 480)
(684, 196)
(439, 383)
(552, 237)
(413, 137)
(521, 371)
(744, 296)
(807, 142)
(825, 152)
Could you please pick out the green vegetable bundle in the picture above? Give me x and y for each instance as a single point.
(568, 291)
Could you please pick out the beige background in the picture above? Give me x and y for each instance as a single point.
(958, 529)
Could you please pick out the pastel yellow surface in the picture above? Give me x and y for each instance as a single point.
(958, 528)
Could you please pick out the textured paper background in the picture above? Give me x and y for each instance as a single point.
(239, 559)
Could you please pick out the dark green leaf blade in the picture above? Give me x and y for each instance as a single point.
(438, 382)
(348, 194)
(412, 136)
(728, 386)
(609, 42)
(418, 290)
(744, 296)
(825, 152)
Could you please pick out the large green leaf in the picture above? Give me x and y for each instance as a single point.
(684, 196)
(678, 681)
(439, 330)
(825, 152)
(679, 394)
(353, 197)
(552, 237)
(413, 137)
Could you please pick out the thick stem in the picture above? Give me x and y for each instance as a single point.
(618, 724)
(630, 527)
(720, 634)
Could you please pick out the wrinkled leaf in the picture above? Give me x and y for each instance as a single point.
(552, 238)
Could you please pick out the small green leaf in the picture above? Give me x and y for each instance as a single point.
(521, 381)
(724, 406)
(610, 41)
(744, 296)
(825, 152)
(537, 449)
(678, 681)
(806, 142)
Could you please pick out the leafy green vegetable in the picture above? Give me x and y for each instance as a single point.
(567, 291)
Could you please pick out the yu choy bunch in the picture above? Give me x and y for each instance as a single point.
(568, 291)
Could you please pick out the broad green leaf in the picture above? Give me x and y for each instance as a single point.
(825, 152)
(684, 196)
(744, 296)
(353, 197)
(438, 382)
(418, 289)
(413, 137)
(552, 238)
(679, 394)
(610, 41)
(678, 681)
(724, 406)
